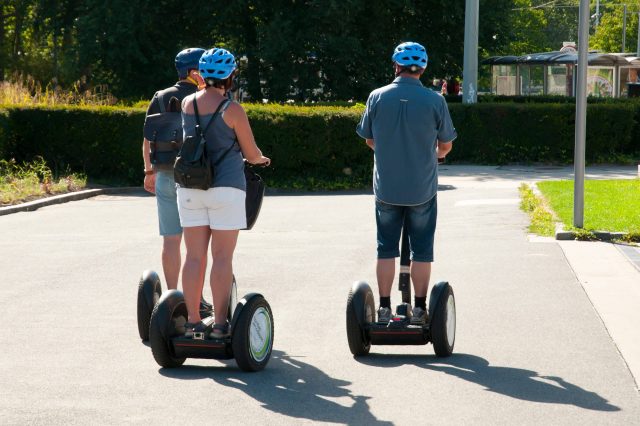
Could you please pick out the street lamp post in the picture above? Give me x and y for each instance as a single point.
(470, 63)
(624, 28)
(581, 114)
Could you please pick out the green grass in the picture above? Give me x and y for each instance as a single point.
(542, 221)
(609, 205)
(29, 181)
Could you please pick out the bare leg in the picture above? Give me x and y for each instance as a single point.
(223, 244)
(420, 275)
(385, 270)
(171, 259)
(196, 240)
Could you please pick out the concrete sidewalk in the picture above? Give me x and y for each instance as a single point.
(609, 273)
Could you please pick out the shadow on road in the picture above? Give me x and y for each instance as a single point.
(289, 387)
(513, 382)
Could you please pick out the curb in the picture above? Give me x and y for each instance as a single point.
(563, 235)
(63, 198)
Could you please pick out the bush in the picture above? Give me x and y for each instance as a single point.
(317, 147)
(530, 133)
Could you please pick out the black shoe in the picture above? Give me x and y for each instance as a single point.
(206, 309)
(219, 331)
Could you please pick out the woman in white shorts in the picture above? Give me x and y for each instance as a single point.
(217, 214)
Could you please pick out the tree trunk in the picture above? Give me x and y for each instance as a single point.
(253, 61)
(2, 42)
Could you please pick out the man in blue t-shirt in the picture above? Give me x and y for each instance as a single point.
(409, 129)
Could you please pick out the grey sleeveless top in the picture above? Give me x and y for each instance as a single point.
(220, 137)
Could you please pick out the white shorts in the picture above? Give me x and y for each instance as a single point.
(220, 208)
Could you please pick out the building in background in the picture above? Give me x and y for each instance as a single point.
(554, 73)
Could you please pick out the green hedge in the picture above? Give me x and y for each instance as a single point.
(316, 147)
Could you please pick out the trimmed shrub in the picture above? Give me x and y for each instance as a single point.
(105, 143)
(317, 147)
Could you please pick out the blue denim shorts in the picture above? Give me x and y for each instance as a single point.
(421, 227)
(166, 198)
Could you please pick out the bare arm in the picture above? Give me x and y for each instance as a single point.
(370, 143)
(444, 148)
(238, 121)
(149, 179)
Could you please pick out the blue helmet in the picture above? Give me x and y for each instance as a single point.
(188, 60)
(410, 53)
(217, 63)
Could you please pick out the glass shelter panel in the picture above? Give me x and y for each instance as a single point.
(504, 80)
(557, 79)
(628, 75)
(600, 82)
(532, 79)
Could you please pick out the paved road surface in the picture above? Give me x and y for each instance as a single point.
(530, 349)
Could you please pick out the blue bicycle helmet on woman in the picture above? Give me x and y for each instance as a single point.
(410, 53)
(217, 64)
(188, 59)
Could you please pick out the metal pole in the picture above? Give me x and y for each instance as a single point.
(638, 45)
(470, 64)
(581, 115)
(597, 13)
(624, 28)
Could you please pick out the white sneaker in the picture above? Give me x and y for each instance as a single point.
(419, 316)
(384, 314)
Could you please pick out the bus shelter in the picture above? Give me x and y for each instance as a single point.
(554, 73)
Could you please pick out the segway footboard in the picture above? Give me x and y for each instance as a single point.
(186, 347)
(402, 334)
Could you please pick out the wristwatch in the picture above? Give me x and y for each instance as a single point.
(148, 172)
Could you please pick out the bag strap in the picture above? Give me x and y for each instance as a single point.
(203, 132)
(163, 109)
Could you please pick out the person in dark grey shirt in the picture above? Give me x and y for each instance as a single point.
(158, 178)
(409, 129)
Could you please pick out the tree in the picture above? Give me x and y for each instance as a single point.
(608, 35)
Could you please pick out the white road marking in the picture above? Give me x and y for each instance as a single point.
(488, 202)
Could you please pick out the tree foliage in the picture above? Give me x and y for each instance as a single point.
(289, 49)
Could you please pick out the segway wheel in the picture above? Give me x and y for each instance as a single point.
(167, 321)
(443, 324)
(252, 339)
(233, 300)
(359, 342)
(149, 292)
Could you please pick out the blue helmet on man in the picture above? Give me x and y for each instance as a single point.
(410, 53)
(187, 60)
(217, 63)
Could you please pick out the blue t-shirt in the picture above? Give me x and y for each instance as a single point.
(406, 120)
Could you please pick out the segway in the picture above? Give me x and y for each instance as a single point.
(149, 292)
(250, 339)
(363, 330)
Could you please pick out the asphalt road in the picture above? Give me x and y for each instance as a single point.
(530, 347)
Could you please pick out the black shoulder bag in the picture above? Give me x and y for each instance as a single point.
(192, 168)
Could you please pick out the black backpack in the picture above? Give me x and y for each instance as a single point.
(191, 168)
(164, 132)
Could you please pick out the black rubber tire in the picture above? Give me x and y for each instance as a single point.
(241, 339)
(442, 342)
(162, 329)
(359, 343)
(149, 291)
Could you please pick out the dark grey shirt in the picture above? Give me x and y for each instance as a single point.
(406, 120)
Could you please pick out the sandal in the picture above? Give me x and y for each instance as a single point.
(219, 331)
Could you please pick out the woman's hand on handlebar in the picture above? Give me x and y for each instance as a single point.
(262, 161)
